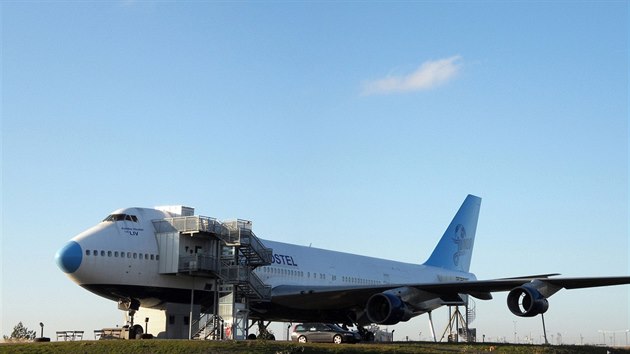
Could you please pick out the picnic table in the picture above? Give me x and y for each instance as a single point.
(69, 335)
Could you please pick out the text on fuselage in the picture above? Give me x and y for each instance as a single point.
(283, 259)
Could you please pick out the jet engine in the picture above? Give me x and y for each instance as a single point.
(526, 301)
(387, 309)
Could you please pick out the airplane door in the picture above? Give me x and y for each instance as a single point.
(332, 275)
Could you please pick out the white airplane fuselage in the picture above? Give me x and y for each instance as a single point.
(118, 259)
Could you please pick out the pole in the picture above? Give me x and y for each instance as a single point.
(544, 328)
(215, 309)
(432, 328)
(192, 300)
(456, 324)
(450, 320)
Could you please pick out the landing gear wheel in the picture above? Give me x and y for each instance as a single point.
(337, 339)
(135, 332)
(302, 339)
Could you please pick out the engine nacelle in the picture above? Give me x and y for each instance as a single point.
(387, 309)
(526, 301)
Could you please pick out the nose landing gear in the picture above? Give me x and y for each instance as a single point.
(135, 331)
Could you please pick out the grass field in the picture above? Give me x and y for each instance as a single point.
(271, 347)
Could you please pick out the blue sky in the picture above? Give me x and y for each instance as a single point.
(358, 127)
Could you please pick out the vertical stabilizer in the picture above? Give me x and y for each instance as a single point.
(454, 251)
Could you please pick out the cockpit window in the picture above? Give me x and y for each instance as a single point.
(120, 217)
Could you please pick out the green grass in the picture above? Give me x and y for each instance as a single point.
(278, 347)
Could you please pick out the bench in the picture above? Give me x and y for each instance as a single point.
(109, 333)
(69, 335)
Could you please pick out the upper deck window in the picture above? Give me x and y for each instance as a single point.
(120, 217)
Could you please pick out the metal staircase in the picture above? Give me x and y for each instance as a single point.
(471, 313)
(249, 246)
(225, 252)
(247, 282)
(209, 327)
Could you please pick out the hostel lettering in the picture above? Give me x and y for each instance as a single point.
(283, 259)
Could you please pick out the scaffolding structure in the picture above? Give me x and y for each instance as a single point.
(222, 257)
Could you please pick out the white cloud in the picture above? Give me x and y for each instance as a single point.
(430, 74)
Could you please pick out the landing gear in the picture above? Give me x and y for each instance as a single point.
(131, 314)
(263, 332)
(135, 330)
(131, 305)
(366, 335)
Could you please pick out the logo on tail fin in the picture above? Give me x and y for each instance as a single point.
(464, 243)
(454, 250)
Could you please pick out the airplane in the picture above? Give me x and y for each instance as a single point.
(119, 259)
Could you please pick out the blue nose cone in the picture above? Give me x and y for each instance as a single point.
(69, 257)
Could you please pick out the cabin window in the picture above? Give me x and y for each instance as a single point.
(157, 257)
(128, 254)
(87, 252)
(171, 319)
(120, 217)
(109, 253)
(152, 257)
(102, 253)
(135, 255)
(95, 252)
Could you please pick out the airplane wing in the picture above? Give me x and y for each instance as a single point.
(506, 284)
(335, 297)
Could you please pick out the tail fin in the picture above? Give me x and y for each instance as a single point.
(454, 251)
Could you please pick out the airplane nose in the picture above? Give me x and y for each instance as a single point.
(69, 257)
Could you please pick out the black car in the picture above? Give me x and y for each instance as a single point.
(323, 332)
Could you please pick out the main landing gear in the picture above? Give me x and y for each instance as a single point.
(263, 332)
(366, 335)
